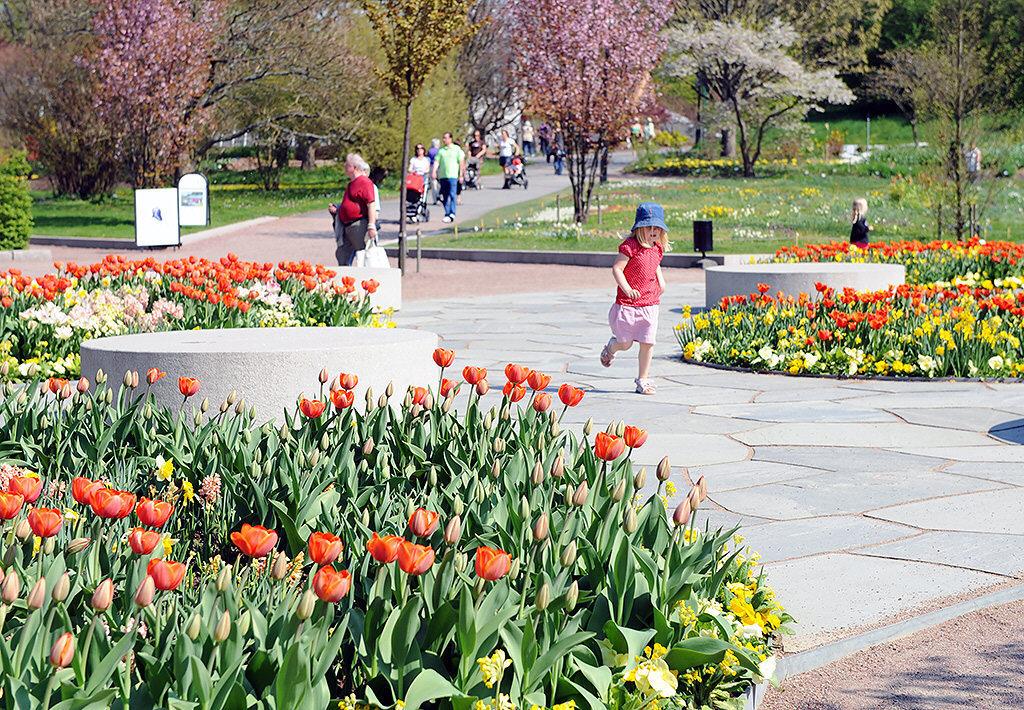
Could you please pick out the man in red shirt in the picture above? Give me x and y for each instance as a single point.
(355, 219)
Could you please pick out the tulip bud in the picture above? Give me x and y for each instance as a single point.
(205, 406)
(135, 379)
(568, 556)
(366, 518)
(305, 608)
(416, 410)
(629, 521)
(314, 458)
(101, 377)
(198, 419)
(5, 369)
(37, 597)
(23, 531)
(495, 470)
(664, 470)
(555, 428)
(432, 476)
(524, 508)
(389, 390)
(63, 650)
(280, 569)
(232, 397)
(486, 421)
(11, 588)
(428, 402)
(108, 396)
(223, 628)
(224, 406)
(447, 405)
(244, 621)
(543, 597)
(144, 594)
(537, 477)
(499, 445)
(83, 385)
(49, 545)
(694, 498)
(224, 578)
(541, 528)
(461, 562)
(127, 379)
(620, 428)
(458, 506)
(572, 596)
(147, 411)
(369, 396)
(103, 596)
(194, 627)
(558, 467)
(568, 494)
(681, 516)
(588, 426)
(382, 402)
(513, 570)
(482, 388)
(62, 588)
(619, 492)
(702, 488)
(579, 498)
(640, 479)
(324, 376)
(368, 447)
(407, 401)
(610, 429)
(453, 530)
(240, 407)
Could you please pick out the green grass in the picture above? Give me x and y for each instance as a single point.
(750, 216)
(885, 130)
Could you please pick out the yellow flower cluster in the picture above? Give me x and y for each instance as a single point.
(492, 667)
(651, 675)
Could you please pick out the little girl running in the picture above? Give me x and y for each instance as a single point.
(634, 315)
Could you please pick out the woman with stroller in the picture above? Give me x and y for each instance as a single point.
(507, 149)
(419, 163)
(474, 166)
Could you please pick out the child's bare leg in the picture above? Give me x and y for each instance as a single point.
(617, 346)
(646, 354)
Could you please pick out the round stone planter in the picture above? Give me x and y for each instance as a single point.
(269, 367)
(794, 279)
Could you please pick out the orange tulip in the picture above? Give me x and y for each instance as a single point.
(541, 402)
(254, 540)
(472, 375)
(415, 559)
(419, 395)
(444, 358)
(56, 384)
(570, 396)
(348, 381)
(423, 522)
(384, 549)
(608, 447)
(634, 437)
(110, 503)
(143, 541)
(10, 505)
(492, 564)
(516, 373)
(447, 386)
(28, 487)
(63, 650)
(82, 489)
(538, 380)
(324, 548)
(188, 386)
(154, 375)
(45, 522)
(513, 391)
(166, 575)
(312, 408)
(153, 513)
(342, 399)
(331, 585)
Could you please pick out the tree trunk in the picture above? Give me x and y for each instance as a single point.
(728, 143)
(401, 183)
(305, 152)
(913, 130)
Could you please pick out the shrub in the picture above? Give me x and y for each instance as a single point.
(15, 202)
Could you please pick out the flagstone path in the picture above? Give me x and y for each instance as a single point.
(868, 500)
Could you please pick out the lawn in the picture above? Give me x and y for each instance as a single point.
(750, 216)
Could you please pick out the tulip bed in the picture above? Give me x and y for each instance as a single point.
(398, 555)
(43, 321)
(922, 331)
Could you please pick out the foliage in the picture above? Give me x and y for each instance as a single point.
(15, 202)
(582, 590)
(899, 80)
(45, 320)
(485, 67)
(582, 75)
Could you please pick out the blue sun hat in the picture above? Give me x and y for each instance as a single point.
(649, 214)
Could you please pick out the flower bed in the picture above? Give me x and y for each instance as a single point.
(926, 262)
(393, 557)
(922, 331)
(44, 321)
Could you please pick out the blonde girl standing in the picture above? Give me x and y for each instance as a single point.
(859, 219)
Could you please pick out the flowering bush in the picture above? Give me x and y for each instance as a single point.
(924, 331)
(44, 321)
(400, 556)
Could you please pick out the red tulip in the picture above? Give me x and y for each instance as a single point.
(110, 503)
(541, 402)
(348, 381)
(447, 386)
(444, 358)
(634, 437)
(324, 548)
(153, 513)
(10, 505)
(82, 489)
(28, 487)
(254, 540)
(166, 575)
(415, 559)
(370, 285)
(331, 585)
(423, 522)
(472, 375)
(538, 380)
(384, 549)
(56, 384)
(312, 408)
(188, 386)
(45, 522)
(419, 395)
(570, 396)
(608, 447)
(154, 375)
(342, 399)
(513, 391)
(63, 650)
(143, 541)
(492, 564)
(516, 373)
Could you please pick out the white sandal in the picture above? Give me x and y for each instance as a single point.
(607, 356)
(644, 386)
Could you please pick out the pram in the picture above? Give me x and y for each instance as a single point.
(415, 199)
(472, 176)
(516, 174)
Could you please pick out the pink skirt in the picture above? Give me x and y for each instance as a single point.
(639, 323)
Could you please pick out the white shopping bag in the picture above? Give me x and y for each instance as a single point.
(372, 257)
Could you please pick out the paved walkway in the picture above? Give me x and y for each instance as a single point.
(869, 500)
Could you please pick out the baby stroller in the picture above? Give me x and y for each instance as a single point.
(416, 199)
(472, 176)
(516, 174)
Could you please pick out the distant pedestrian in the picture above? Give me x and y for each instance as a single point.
(435, 146)
(637, 271)
(507, 149)
(527, 134)
(649, 129)
(355, 219)
(973, 160)
(544, 135)
(449, 168)
(859, 218)
(475, 160)
(558, 149)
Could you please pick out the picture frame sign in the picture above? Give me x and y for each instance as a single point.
(156, 218)
(193, 200)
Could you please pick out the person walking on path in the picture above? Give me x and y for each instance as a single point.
(544, 134)
(507, 149)
(435, 145)
(355, 219)
(637, 272)
(449, 168)
(477, 152)
(859, 229)
(527, 134)
(558, 149)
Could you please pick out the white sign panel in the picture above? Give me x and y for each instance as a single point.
(156, 218)
(193, 200)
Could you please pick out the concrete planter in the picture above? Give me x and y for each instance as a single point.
(794, 279)
(754, 696)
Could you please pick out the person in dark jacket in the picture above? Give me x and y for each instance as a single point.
(859, 230)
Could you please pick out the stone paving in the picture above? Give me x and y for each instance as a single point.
(868, 500)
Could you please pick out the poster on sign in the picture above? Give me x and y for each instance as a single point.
(193, 200)
(156, 218)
